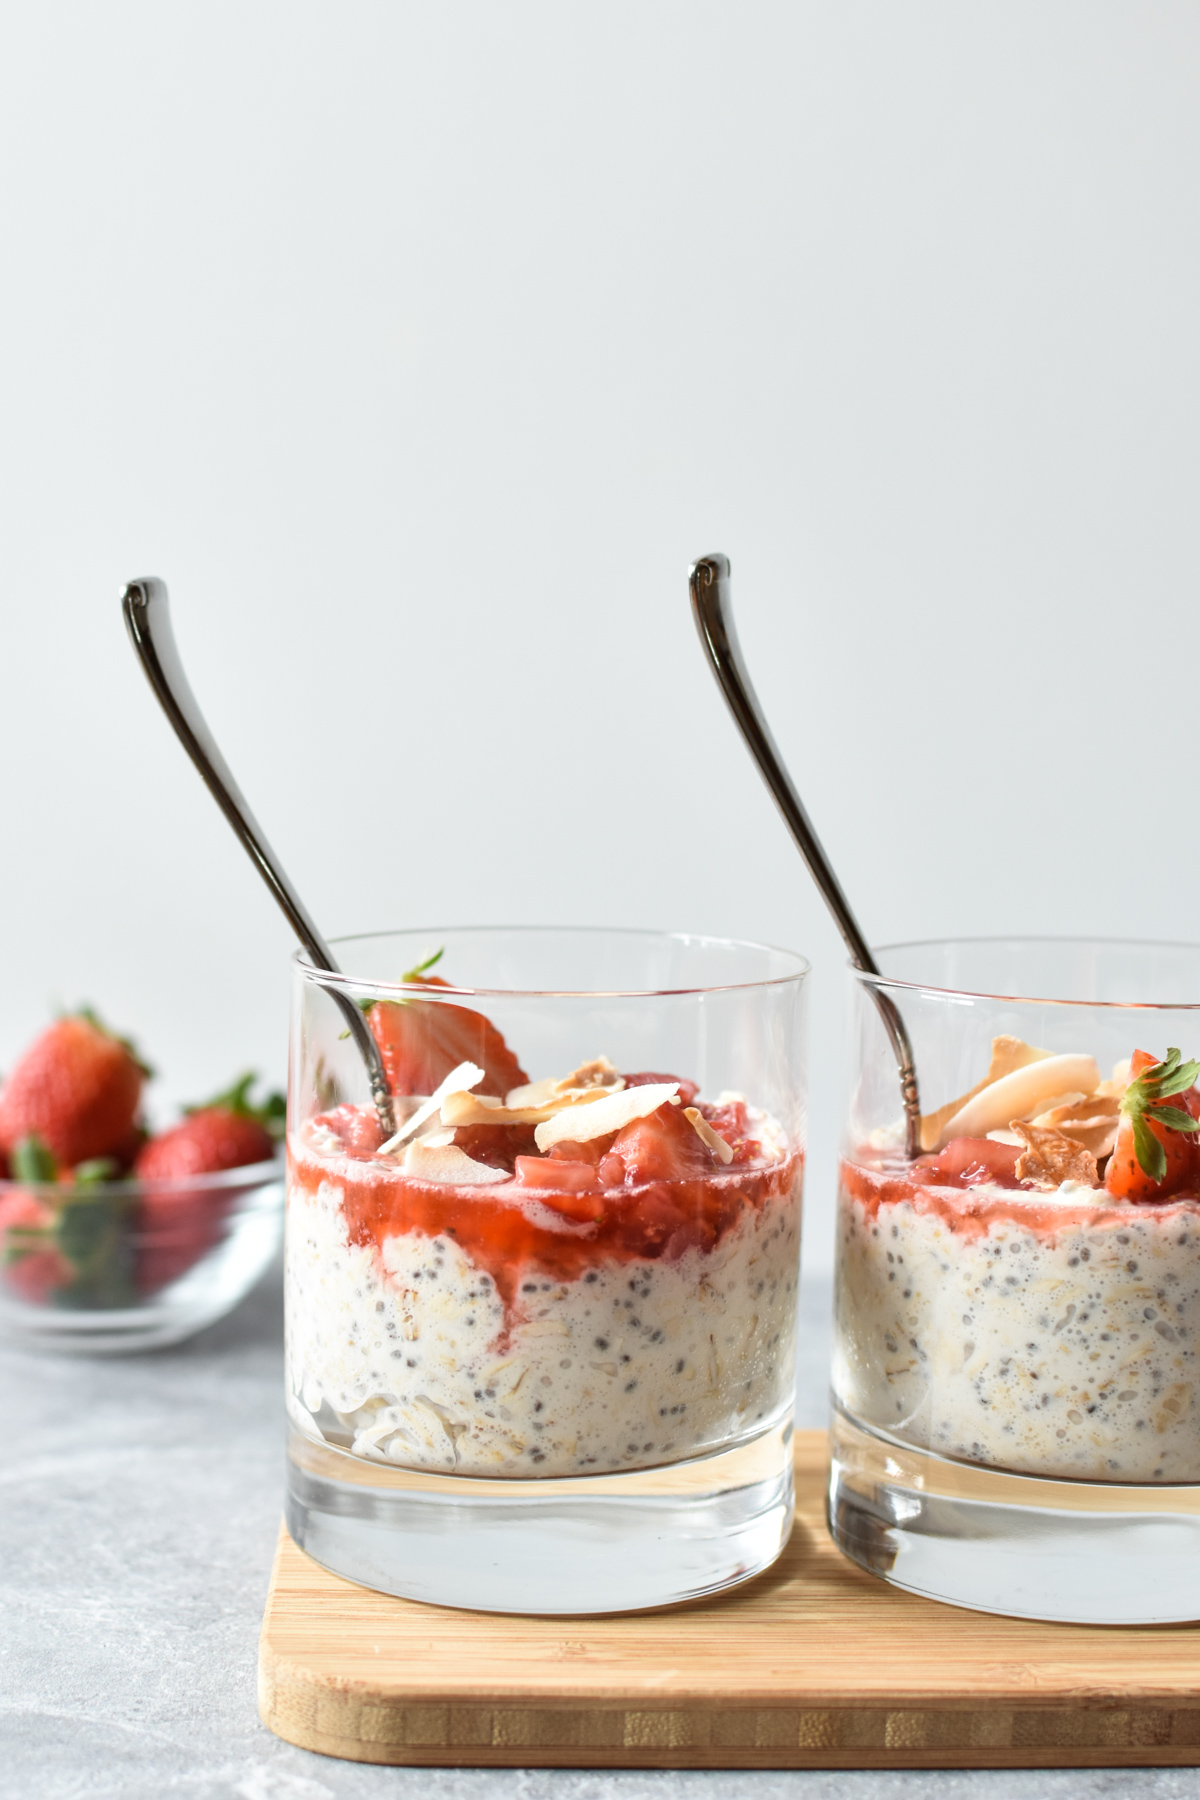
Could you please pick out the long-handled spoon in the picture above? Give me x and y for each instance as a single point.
(708, 584)
(148, 619)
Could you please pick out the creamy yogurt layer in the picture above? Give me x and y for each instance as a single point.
(1051, 1333)
(402, 1348)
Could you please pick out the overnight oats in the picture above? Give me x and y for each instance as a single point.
(545, 1272)
(1018, 1295)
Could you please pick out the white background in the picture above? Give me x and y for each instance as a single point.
(420, 348)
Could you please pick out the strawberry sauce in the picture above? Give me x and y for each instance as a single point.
(513, 1231)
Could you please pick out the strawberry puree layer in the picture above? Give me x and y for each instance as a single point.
(482, 1331)
(1040, 1333)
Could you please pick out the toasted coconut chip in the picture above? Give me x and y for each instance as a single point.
(467, 1075)
(1027, 1090)
(1008, 1054)
(1092, 1122)
(479, 1109)
(446, 1162)
(579, 1124)
(1051, 1157)
(704, 1131)
(590, 1081)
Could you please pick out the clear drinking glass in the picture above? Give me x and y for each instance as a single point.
(544, 1363)
(1016, 1391)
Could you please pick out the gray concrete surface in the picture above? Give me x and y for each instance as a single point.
(139, 1501)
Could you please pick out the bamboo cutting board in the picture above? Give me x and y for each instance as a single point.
(812, 1665)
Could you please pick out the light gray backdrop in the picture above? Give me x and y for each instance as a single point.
(420, 348)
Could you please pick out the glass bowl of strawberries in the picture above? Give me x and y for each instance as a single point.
(113, 1239)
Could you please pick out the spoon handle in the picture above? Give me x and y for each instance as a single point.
(148, 620)
(708, 584)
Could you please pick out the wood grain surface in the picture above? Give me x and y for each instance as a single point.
(812, 1665)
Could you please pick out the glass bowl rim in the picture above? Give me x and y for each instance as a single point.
(895, 982)
(327, 978)
(132, 1187)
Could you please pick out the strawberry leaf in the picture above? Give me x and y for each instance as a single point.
(32, 1161)
(1172, 1081)
(1173, 1117)
(419, 969)
(1146, 1147)
(127, 1044)
(270, 1113)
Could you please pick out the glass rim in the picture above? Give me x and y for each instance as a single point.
(934, 990)
(130, 1187)
(341, 979)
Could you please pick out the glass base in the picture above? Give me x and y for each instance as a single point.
(1075, 1552)
(595, 1544)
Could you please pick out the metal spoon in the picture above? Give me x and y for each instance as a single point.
(708, 584)
(148, 620)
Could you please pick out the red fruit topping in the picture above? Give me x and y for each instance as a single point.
(420, 1042)
(687, 1089)
(731, 1121)
(357, 1128)
(592, 1152)
(557, 1174)
(77, 1088)
(496, 1145)
(1175, 1164)
(968, 1162)
(662, 1147)
(664, 1218)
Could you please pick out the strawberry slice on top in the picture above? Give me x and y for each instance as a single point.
(420, 1041)
(1156, 1153)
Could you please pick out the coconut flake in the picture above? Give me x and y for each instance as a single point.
(480, 1109)
(446, 1162)
(466, 1075)
(1028, 1090)
(590, 1081)
(1008, 1054)
(597, 1118)
(704, 1131)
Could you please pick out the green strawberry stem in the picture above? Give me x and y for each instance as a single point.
(1143, 1101)
(127, 1044)
(416, 973)
(32, 1160)
(271, 1113)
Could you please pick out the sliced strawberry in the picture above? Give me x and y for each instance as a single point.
(731, 1121)
(77, 1088)
(593, 1151)
(966, 1162)
(357, 1128)
(662, 1147)
(420, 1041)
(496, 1145)
(556, 1176)
(1155, 1155)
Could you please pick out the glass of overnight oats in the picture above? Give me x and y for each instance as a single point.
(1016, 1389)
(540, 1319)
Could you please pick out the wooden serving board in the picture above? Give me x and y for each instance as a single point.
(812, 1665)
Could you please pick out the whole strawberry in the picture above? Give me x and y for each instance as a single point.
(226, 1133)
(77, 1088)
(177, 1223)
